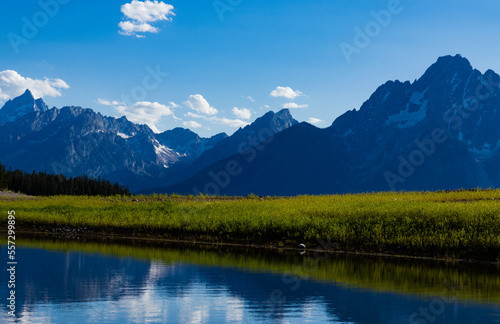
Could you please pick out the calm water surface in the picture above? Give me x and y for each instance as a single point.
(65, 282)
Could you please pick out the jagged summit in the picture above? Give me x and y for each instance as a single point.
(187, 142)
(446, 68)
(450, 60)
(21, 106)
(276, 122)
(406, 104)
(27, 94)
(450, 63)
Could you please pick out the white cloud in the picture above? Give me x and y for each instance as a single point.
(190, 114)
(314, 121)
(236, 123)
(105, 102)
(174, 105)
(242, 113)
(128, 28)
(199, 104)
(248, 98)
(286, 92)
(206, 112)
(192, 124)
(293, 105)
(148, 11)
(141, 14)
(143, 112)
(12, 85)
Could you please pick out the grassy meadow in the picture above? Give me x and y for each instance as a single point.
(452, 225)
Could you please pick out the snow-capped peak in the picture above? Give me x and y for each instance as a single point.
(21, 106)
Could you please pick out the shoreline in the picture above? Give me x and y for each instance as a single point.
(86, 235)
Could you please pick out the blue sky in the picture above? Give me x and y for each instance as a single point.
(216, 74)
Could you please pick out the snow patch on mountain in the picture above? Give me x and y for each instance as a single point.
(417, 97)
(124, 136)
(165, 155)
(19, 112)
(406, 119)
(466, 88)
(482, 153)
(455, 81)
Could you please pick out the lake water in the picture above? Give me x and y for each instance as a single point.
(67, 282)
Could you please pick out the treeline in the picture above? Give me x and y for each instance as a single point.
(44, 184)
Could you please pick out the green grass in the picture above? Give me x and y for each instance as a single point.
(462, 224)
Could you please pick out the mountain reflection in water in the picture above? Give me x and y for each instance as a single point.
(69, 282)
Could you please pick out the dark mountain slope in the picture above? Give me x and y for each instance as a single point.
(439, 132)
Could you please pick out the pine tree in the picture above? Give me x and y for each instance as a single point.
(3, 178)
(42, 183)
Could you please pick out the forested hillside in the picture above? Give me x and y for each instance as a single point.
(44, 184)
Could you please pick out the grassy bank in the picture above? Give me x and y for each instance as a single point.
(456, 225)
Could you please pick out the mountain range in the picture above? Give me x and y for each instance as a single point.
(438, 132)
(75, 141)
